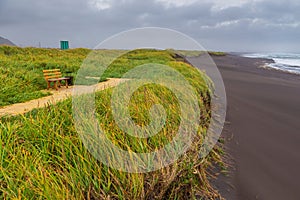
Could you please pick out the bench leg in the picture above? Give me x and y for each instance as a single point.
(48, 85)
(55, 85)
(66, 83)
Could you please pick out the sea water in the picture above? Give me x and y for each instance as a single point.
(287, 62)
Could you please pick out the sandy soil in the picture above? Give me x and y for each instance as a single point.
(60, 95)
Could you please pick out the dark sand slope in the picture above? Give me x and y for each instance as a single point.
(264, 120)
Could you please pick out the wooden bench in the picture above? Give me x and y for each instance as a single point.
(54, 75)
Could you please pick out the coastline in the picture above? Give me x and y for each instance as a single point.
(268, 67)
(261, 130)
(285, 62)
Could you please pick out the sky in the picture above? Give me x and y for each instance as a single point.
(231, 25)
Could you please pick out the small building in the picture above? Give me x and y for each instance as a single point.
(64, 45)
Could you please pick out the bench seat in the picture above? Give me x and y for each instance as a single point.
(55, 76)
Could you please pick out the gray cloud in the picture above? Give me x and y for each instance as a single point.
(255, 25)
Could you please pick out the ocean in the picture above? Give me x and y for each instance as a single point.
(286, 62)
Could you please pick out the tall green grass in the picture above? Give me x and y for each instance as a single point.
(195, 53)
(42, 156)
(21, 76)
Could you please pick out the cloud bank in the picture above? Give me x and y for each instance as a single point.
(243, 25)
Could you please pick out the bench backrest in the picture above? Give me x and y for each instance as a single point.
(52, 73)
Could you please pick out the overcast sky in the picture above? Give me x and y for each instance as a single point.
(230, 25)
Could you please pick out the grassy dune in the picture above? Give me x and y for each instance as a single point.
(42, 156)
(195, 53)
(21, 77)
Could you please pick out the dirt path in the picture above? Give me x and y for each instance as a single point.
(60, 95)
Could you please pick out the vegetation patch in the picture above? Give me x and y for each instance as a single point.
(196, 53)
(42, 156)
(21, 76)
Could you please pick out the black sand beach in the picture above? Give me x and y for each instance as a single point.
(262, 130)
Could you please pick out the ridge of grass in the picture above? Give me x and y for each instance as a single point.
(21, 77)
(196, 53)
(42, 156)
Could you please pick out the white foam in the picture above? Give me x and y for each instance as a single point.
(287, 62)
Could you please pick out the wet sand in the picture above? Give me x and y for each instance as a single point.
(262, 130)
